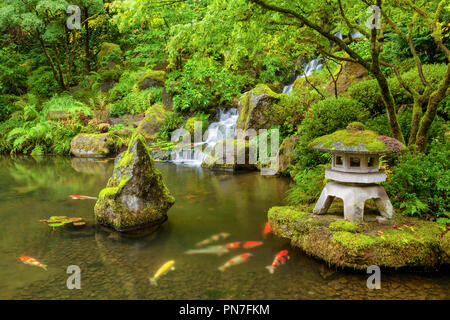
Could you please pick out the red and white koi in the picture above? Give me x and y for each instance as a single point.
(236, 260)
(280, 258)
(245, 245)
(33, 262)
(77, 197)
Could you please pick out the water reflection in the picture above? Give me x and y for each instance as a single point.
(116, 266)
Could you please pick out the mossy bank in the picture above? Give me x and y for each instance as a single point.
(401, 242)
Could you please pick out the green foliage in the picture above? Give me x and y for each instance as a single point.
(42, 82)
(202, 83)
(172, 122)
(323, 118)
(13, 74)
(420, 184)
(368, 93)
(136, 102)
(308, 185)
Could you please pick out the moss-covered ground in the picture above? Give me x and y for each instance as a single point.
(400, 242)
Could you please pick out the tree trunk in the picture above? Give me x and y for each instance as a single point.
(427, 120)
(87, 50)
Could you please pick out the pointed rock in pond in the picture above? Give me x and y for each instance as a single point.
(135, 195)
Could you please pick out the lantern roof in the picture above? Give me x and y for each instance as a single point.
(356, 139)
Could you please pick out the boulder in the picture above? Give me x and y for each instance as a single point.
(402, 242)
(351, 73)
(87, 145)
(135, 196)
(59, 115)
(107, 49)
(229, 151)
(151, 79)
(253, 107)
(152, 122)
(286, 154)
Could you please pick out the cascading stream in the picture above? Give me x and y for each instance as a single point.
(217, 131)
(310, 67)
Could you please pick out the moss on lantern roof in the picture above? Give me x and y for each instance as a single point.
(355, 139)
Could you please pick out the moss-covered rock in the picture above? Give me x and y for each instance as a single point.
(350, 74)
(357, 140)
(87, 145)
(152, 122)
(150, 79)
(405, 242)
(135, 195)
(233, 155)
(253, 107)
(106, 50)
(286, 154)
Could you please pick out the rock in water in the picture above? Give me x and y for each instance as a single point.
(87, 145)
(135, 195)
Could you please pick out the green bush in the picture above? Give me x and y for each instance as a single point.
(368, 93)
(202, 83)
(42, 82)
(13, 73)
(291, 108)
(324, 118)
(172, 122)
(380, 124)
(136, 102)
(308, 185)
(420, 183)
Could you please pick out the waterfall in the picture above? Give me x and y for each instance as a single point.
(308, 69)
(217, 131)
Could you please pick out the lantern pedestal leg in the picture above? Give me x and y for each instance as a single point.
(354, 197)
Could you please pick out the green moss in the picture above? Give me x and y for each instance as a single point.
(369, 139)
(354, 241)
(403, 242)
(92, 144)
(155, 74)
(343, 225)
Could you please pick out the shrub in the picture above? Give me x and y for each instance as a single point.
(289, 112)
(42, 82)
(172, 122)
(136, 102)
(380, 124)
(323, 118)
(13, 73)
(420, 183)
(308, 185)
(368, 94)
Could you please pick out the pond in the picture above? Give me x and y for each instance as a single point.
(118, 267)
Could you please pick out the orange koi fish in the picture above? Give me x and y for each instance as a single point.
(280, 259)
(77, 197)
(236, 260)
(266, 229)
(33, 262)
(251, 244)
(232, 245)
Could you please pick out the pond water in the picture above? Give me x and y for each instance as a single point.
(118, 267)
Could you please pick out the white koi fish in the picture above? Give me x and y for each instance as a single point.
(216, 237)
(219, 250)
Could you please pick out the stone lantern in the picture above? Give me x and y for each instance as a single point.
(355, 170)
